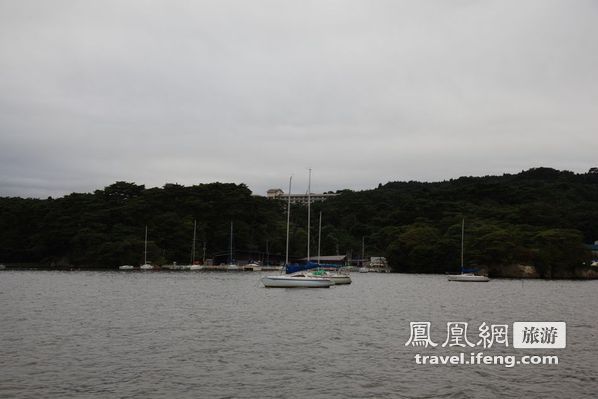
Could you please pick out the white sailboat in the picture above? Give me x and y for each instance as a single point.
(231, 265)
(193, 266)
(466, 276)
(145, 265)
(298, 279)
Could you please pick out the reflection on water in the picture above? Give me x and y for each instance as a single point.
(105, 334)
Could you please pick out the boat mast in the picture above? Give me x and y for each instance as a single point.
(462, 239)
(362, 250)
(319, 236)
(193, 245)
(230, 254)
(288, 221)
(267, 253)
(145, 247)
(308, 212)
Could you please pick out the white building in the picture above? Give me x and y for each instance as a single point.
(277, 193)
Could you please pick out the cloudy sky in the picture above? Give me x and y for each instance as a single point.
(362, 92)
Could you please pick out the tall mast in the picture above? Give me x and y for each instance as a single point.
(319, 236)
(230, 255)
(288, 220)
(193, 245)
(462, 239)
(308, 211)
(362, 250)
(145, 247)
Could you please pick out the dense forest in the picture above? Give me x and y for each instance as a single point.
(540, 217)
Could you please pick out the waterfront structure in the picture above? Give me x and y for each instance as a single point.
(304, 199)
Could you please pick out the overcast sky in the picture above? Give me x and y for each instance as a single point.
(363, 92)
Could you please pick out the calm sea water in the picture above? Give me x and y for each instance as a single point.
(222, 335)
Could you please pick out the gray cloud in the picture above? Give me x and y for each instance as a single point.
(361, 91)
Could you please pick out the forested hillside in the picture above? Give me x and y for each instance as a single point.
(540, 217)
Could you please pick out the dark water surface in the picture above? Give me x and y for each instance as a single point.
(221, 335)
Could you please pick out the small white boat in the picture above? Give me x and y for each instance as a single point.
(232, 267)
(253, 267)
(340, 278)
(125, 267)
(146, 266)
(467, 277)
(196, 267)
(337, 278)
(296, 280)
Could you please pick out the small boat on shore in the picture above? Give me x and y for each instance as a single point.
(125, 267)
(253, 267)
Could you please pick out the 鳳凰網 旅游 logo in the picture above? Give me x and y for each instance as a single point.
(488, 336)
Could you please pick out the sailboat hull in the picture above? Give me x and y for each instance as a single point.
(296, 282)
(468, 278)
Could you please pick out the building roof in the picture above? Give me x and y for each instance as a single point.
(328, 258)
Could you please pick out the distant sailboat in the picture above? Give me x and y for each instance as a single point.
(231, 265)
(193, 266)
(145, 265)
(466, 274)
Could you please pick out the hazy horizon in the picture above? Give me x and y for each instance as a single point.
(284, 185)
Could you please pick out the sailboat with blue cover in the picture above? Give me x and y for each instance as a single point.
(467, 275)
(299, 279)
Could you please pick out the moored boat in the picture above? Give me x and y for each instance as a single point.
(337, 277)
(125, 267)
(467, 277)
(145, 266)
(296, 280)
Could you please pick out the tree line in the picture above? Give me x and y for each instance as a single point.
(541, 217)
